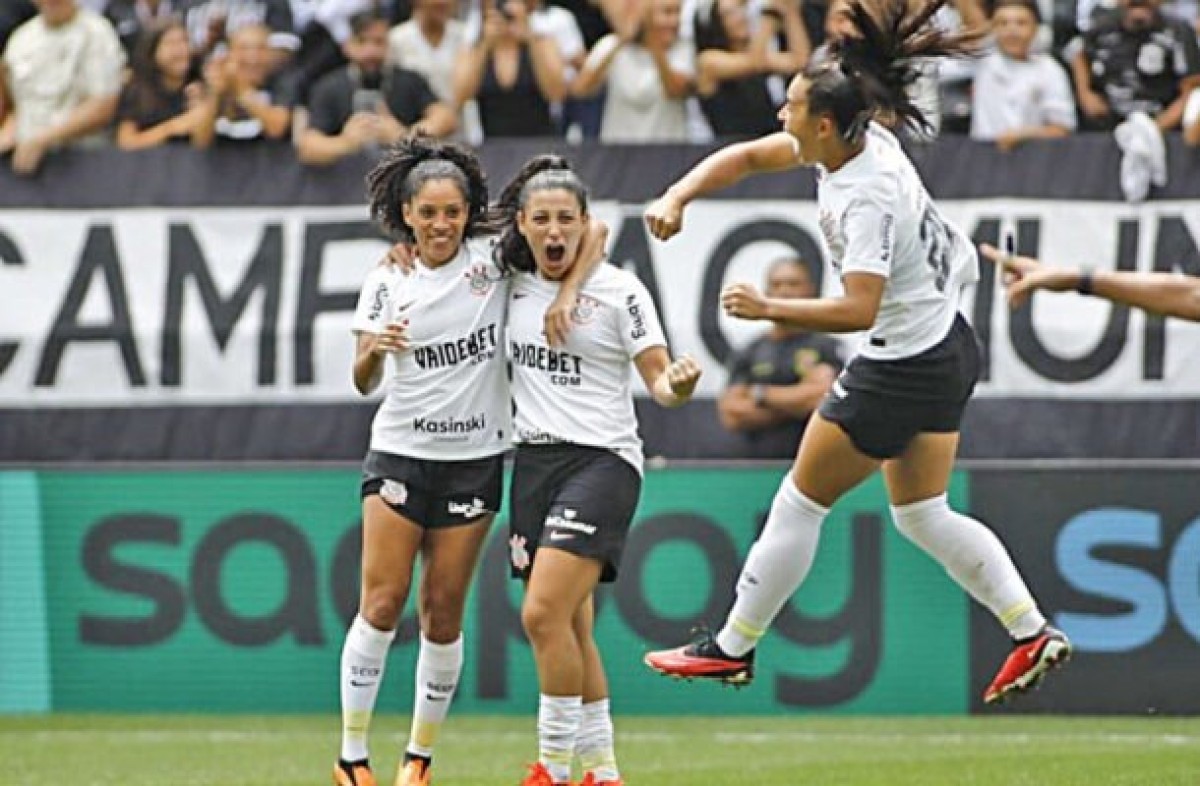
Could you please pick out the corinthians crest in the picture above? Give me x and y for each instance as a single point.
(479, 280)
(585, 309)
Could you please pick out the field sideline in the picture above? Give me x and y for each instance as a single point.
(153, 750)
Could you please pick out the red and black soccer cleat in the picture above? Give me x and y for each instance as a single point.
(1028, 663)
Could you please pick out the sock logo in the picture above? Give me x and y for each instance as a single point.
(364, 676)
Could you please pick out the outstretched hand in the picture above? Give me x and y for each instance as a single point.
(1022, 276)
(744, 301)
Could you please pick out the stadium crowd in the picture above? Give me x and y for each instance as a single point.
(336, 77)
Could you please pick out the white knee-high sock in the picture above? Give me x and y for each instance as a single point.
(594, 745)
(558, 726)
(775, 567)
(975, 558)
(364, 657)
(438, 670)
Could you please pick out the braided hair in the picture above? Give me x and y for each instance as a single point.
(410, 164)
(540, 173)
(872, 72)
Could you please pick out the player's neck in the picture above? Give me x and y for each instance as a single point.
(843, 155)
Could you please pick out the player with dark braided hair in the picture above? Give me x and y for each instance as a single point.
(432, 477)
(578, 469)
(898, 404)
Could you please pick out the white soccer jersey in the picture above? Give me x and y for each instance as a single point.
(878, 218)
(447, 396)
(580, 392)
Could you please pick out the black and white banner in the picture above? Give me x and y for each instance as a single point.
(253, 306)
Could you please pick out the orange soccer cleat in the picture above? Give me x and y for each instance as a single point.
(352, 773)
(540, 776)
(414, 772)
(703, 659)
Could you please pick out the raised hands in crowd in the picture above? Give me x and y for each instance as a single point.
(201, 71)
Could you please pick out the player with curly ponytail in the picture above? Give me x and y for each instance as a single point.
(578, 469)
(898, 404)
(433, 474)
(412, 163)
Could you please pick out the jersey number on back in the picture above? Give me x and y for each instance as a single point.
(936, 240)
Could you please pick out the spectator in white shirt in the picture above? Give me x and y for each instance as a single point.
(649, 78)
(1019, 94)
(64, 75)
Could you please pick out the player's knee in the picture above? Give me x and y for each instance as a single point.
(913, 518)
(381, 610)
(441, 613)
(539, 617)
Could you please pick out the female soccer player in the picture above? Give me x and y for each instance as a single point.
(899, 402)
(578, 470)
(432, 478)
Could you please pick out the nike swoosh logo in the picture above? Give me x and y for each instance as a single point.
(358, 684)
(431, 697)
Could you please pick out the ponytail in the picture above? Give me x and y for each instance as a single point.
(872, 72)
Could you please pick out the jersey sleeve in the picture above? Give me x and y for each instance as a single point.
(869, 227)
(638, 319)
(374, 303)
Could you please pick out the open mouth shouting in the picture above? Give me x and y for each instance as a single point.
(556, 256)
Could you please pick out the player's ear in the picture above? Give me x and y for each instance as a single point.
(826, 127)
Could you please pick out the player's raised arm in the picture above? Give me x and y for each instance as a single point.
(722, 169)
(1164, 294)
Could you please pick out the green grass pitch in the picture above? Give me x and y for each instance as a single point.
(146, 750)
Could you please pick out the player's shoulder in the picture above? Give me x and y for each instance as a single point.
(481, 249)
(610, 281)
(524, 284)
(383, 276)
